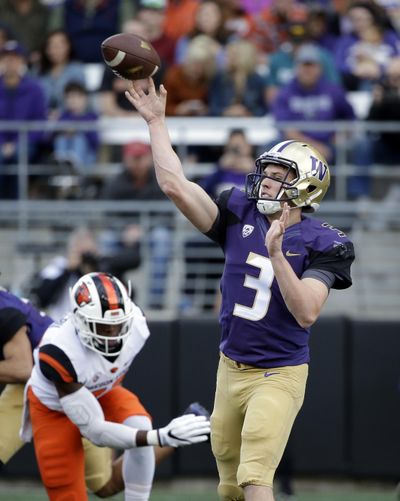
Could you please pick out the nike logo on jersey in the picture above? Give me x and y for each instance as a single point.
(290, 254)
(267, 374)
(247, 230)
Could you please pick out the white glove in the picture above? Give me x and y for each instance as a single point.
(184, 430)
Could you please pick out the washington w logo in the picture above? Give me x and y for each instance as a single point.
(247, 230)
(318, 168)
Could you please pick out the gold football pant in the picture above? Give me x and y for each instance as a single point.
(253, 415)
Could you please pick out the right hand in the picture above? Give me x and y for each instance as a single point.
(184, 430)
(149, 104)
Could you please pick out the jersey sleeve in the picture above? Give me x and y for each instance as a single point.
(55, 365)
(224, 218)
(11, 320)
(337, 260)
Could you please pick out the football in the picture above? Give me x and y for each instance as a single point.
(130, 56)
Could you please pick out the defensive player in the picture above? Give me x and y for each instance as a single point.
(279, 268)
(21, 328)
(74, 391)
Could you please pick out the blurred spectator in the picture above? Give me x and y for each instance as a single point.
(27, 21)
(57, 68)
(392, 9)
(112, 100)
(235, 20)
(238, 90)
(49, 289)
(152, 14)
(21, 98)
(318, 28)
(87, 24)
(269, 29)
(188, 83)
(4, 35)
(379, 147)
(253, 7)
(386, 107)
(78, 148)
(233, 166)
(362, 55)
(137, 181)
(208, 22)
(282, 62)
(180, 17)
(339, 22)
(309, 97)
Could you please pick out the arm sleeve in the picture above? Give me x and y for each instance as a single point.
(11, 320)
(326, 277)
(337, 261)
(85, 412)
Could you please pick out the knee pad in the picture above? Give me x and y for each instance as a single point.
(230, 493)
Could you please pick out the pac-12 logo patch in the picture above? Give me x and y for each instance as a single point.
(247, 230)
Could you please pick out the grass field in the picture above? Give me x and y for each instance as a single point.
(205, 491)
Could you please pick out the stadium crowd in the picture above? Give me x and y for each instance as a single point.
(294, 60)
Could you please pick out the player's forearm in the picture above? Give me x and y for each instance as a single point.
(297, 296)
(85, 412)
(167, 165)
(15, 371)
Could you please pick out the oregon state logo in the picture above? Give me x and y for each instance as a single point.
(82, 295)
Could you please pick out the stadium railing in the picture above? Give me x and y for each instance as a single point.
(207, 131)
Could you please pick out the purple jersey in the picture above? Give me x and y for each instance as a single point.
(257, 327)
(15, 313)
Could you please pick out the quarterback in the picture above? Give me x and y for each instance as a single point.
(279, 268)
(74, 391)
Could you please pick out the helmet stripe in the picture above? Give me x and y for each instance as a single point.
(283, 145)
(109, 293)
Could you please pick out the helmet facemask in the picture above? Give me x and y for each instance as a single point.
(284, 189)
(92, 333)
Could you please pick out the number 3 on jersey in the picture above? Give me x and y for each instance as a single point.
(262, 286)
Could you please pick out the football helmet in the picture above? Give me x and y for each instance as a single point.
(100, 300)
(308, 187)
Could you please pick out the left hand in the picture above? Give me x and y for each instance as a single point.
(185, 430)
(274, 236)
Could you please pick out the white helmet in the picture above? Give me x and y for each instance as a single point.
(306, 190)
(101, 299)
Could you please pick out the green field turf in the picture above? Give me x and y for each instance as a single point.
(18, 492)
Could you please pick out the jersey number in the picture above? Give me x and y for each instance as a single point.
(262, 285)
